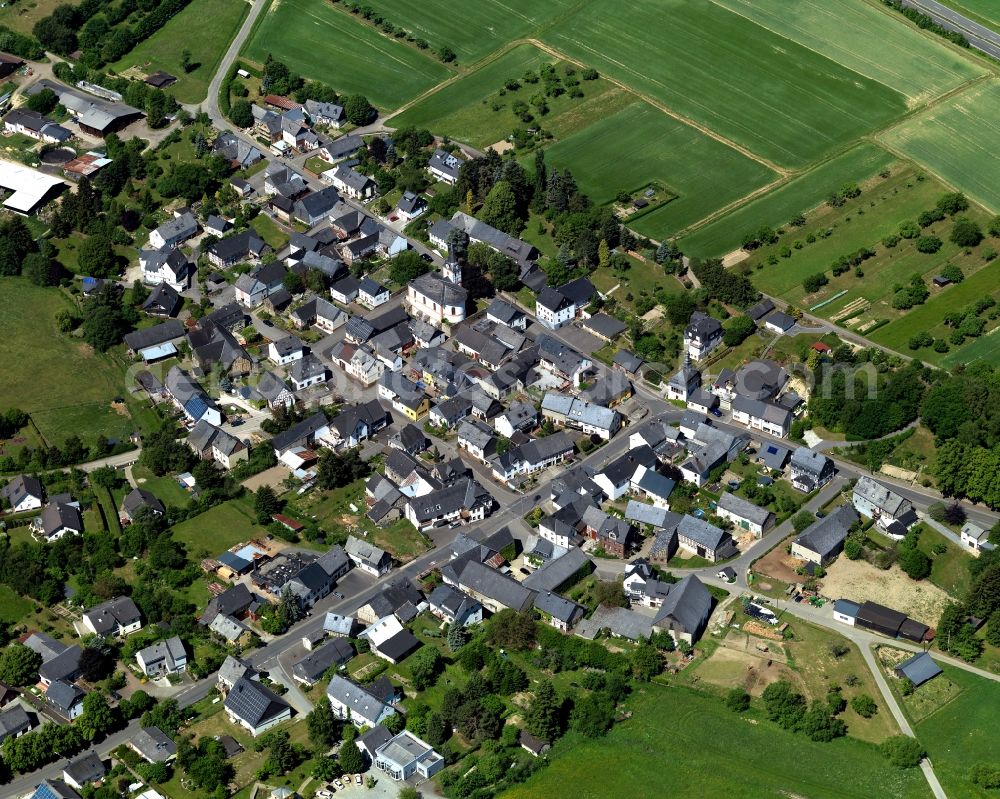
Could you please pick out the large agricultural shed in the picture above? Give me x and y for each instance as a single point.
(30, 187)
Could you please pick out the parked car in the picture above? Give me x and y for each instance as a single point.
(357, 778)
(716, 412)
(339, 784)
(524, 571)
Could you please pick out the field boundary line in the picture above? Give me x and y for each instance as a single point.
(667, 110)
(737, 203)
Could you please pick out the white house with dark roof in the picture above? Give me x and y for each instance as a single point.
(744, 514)
(255, 707)
(163, 658)
(435, 299)
(702, 335)
(762, 415)
(368, 557)
(891, 512)
(23, 493)
(350, 702)
(704, 539)
(116, 617)
(809, 470)
(372, 294)
(824, 539)
(174, 231)
(444, 166)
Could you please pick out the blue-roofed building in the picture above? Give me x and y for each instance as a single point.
(846, 611)
(54, 789)
(918, 669)
(158, 353)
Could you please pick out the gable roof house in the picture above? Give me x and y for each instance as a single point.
(163, 658)
(317, 206)
(65, 698)
(463, 501)
(400, 599)
(615, 478)
(37, 126)
(744, 514)
(350, 182)
(174, 231)
(165, 268)
(211, 443)
(918, 669)
(245, 246)
(823, 540)
(14, 722)
(451, 605)
(153, 745)
(444, 166)
(579, 414)
(494, 590)
(704, 539)
(368, 557)
(562, 360)
(891, 512)
(255, 707)
(255, 286)
(58, 519)
(310, 669)
(809, 470)
(23, 492)
(685, 611)
(85, 769)
(521, 252)
(762, 415)
(353, 703)
(136, 500)
(116, 617)
(163, 300)
(390, 640)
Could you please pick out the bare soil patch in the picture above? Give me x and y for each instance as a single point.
(779, 564)
(859, 581)
(738, 663)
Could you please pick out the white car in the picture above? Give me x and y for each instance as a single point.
(357, 778)
(339, 784)
(323, 794)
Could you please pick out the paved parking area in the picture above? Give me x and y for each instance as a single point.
(580, 340)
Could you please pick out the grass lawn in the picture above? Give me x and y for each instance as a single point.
(861, 37)
(217, 529)
(268, 230)
(698, 748)
(165, 488)
(780, 99)
(653, 147)
(203, 27)
(464, 111)
(960, 734)
(495, 23)
(65, 386)
(332, 511)
(949, 570)
(798, 195)
(23, 16)
(324, 42)
(955, 140)
(13, 607)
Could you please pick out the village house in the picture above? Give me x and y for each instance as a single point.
(444, 167)
(350, 702)
(824, 539)
(436, 299)
(175, 231)
(245, 246)
(23, 493)
(702, 335)
(34, 125)
(162, 658)
(114, 618)
(255, 707)
(211, 443)
(744, 514)
(532, 456)
(893, 514)
(165, 267)
(809, 470)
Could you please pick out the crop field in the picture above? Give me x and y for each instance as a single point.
(780, 99)
(207, 43)
(690, 746)
(960, 734)
(65, 386)
(928, 317)
(472, 30)
(866, 39)
(957, 141)
(641, 144)
(325, 43)
(464, 111)
(803, 193)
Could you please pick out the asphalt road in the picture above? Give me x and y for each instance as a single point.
(980, 37)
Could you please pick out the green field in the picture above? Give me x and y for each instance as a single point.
(205, 27)
(472, 30)
(957, 141)
(783, 101)
(326, 43)
(775, 208)
(217, 529)
(985, 12)
(13, 606)
(640, 144)
(863, 38)
(961, 733)
(65, 386)
(929, 317)
(464, 111)
(985, 348)
(686, 745)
